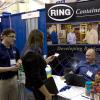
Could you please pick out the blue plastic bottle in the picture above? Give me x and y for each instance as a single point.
(88, 87)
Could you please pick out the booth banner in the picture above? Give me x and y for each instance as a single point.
(73, 12)
(70, 56)
(72, 28)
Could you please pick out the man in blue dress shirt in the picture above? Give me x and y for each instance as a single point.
(88, 68)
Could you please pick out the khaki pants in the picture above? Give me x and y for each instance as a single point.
(9, 89)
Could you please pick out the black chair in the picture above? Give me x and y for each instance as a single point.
(75, 80)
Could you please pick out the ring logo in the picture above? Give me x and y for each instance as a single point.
(60, 12)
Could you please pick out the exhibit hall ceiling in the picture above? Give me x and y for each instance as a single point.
(17, 6)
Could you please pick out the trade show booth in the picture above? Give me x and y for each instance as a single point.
(56, 21)
(67, 27)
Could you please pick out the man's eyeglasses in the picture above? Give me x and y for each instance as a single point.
(12, 36)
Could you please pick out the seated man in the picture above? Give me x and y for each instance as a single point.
(88, 68)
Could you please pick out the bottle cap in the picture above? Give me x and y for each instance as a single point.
(88, 83)
(48, 65)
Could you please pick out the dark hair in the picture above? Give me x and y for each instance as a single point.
(34, 42)
(7, 31)
(35, 39)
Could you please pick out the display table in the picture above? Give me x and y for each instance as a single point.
(74, 93)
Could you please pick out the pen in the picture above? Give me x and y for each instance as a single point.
(85, 97)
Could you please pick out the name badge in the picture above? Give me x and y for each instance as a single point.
(89, 73)
(14, 52)
(12, 62)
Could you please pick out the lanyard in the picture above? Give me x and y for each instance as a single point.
(12, 53)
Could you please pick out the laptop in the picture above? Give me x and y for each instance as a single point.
(75, 80)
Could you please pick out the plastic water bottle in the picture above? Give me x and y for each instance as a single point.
(21, 74)
(48, 71)
(88, 87)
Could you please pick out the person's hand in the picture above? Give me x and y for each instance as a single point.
(49, 97)
(17, 66)
(50, 58)
(14, 68)
(19, 63)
